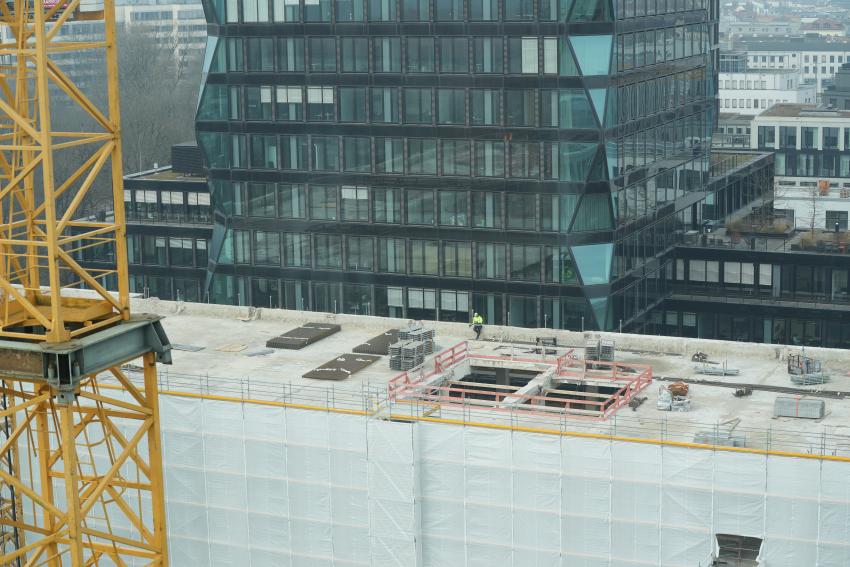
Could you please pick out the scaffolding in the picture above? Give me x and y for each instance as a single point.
(80, 470)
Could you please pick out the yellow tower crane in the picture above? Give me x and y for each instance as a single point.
(81, 479)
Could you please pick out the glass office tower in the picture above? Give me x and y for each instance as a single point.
(531, 160)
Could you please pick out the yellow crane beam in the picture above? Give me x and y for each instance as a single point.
(81, 480)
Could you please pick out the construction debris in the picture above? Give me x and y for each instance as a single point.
(742, 392)
(674, 397)
(702, 358)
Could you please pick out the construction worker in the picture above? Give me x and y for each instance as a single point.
(477, 325)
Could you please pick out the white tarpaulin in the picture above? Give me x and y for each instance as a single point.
(262, 486)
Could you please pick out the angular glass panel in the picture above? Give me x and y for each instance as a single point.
(591, 11)
(567, 65)
(593, 53)
(594, 213)
(566, 108)
(574, 160)
(598, 97)
(594, 262)
(599, 306)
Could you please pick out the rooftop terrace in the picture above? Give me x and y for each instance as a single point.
(505, 379)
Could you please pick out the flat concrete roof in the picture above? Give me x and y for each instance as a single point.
(791, 110)
(230, 339)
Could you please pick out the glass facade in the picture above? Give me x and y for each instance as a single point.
(523, 147)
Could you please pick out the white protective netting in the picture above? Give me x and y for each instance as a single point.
(251, 484)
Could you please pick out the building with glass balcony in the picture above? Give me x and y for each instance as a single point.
(532, 160)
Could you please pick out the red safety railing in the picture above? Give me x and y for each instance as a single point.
(632, 377)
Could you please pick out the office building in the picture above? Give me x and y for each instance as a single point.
(818, 58)
(530, 161)
(837, 94)
(812, 162)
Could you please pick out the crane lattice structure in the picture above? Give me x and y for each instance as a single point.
(81, 478)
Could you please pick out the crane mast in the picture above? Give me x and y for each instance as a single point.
(81, 480)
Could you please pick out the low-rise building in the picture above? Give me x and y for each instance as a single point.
(751, 91)
(837, 94)
(818, 58)
(812, 162)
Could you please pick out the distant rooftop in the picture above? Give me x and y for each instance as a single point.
(794, 44)
(789, 110)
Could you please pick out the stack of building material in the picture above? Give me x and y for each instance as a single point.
(599, 349)
(342, 366)
(379, 344)
(405, 355)
(811, 379)
(302, 336)
(417, 332)
(799, 406)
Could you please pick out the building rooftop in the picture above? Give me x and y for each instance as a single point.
(221, 350)
(165, 174)
(789, 110)
(794, 44)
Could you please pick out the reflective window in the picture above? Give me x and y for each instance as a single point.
(592, 11)
(420, 206)
(568, 108)
(292, 200)
(420, 55)
(349, 10)
(808, 137)
(485, 107)
(261, 199)
(258, 103)
(386, 52)
(389, 155)
(424, 257)
(360, 253)
(356, 154)
(317, 10)
(255, 10)
(488, 55)
(521, 107)
(556, 211)
(238, 151)
(290, 103)
(830, 138)
(260, 53)
(291, 55)
(524, 159)
(457, 259)
(454, 55)
(293, 152)
(448, 10)
(296, 250)
(594, 262)
(521, 211)
(490, 261)
(352, 104)
(323, 202)
(392, 255)
(322, 54)
(489, 158)
(286, 10)
(486, 210)
(451, 106)
(328, 251)
(453, 208)
(483, 10)
(593, 53)
(417, 106)
(519, 9)
(523, 55)
(594, 213)
(386, 205)
(325, 151)
(455, 157)
(382, 10)
(568, 161)
(414, 10)
(422, 156)
(320, 103)
(525, 263)
(267, 248)
(355, 55)
(558, 265)
(385, 107)
(263, 151)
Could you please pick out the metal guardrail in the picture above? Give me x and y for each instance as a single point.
(372, 400)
